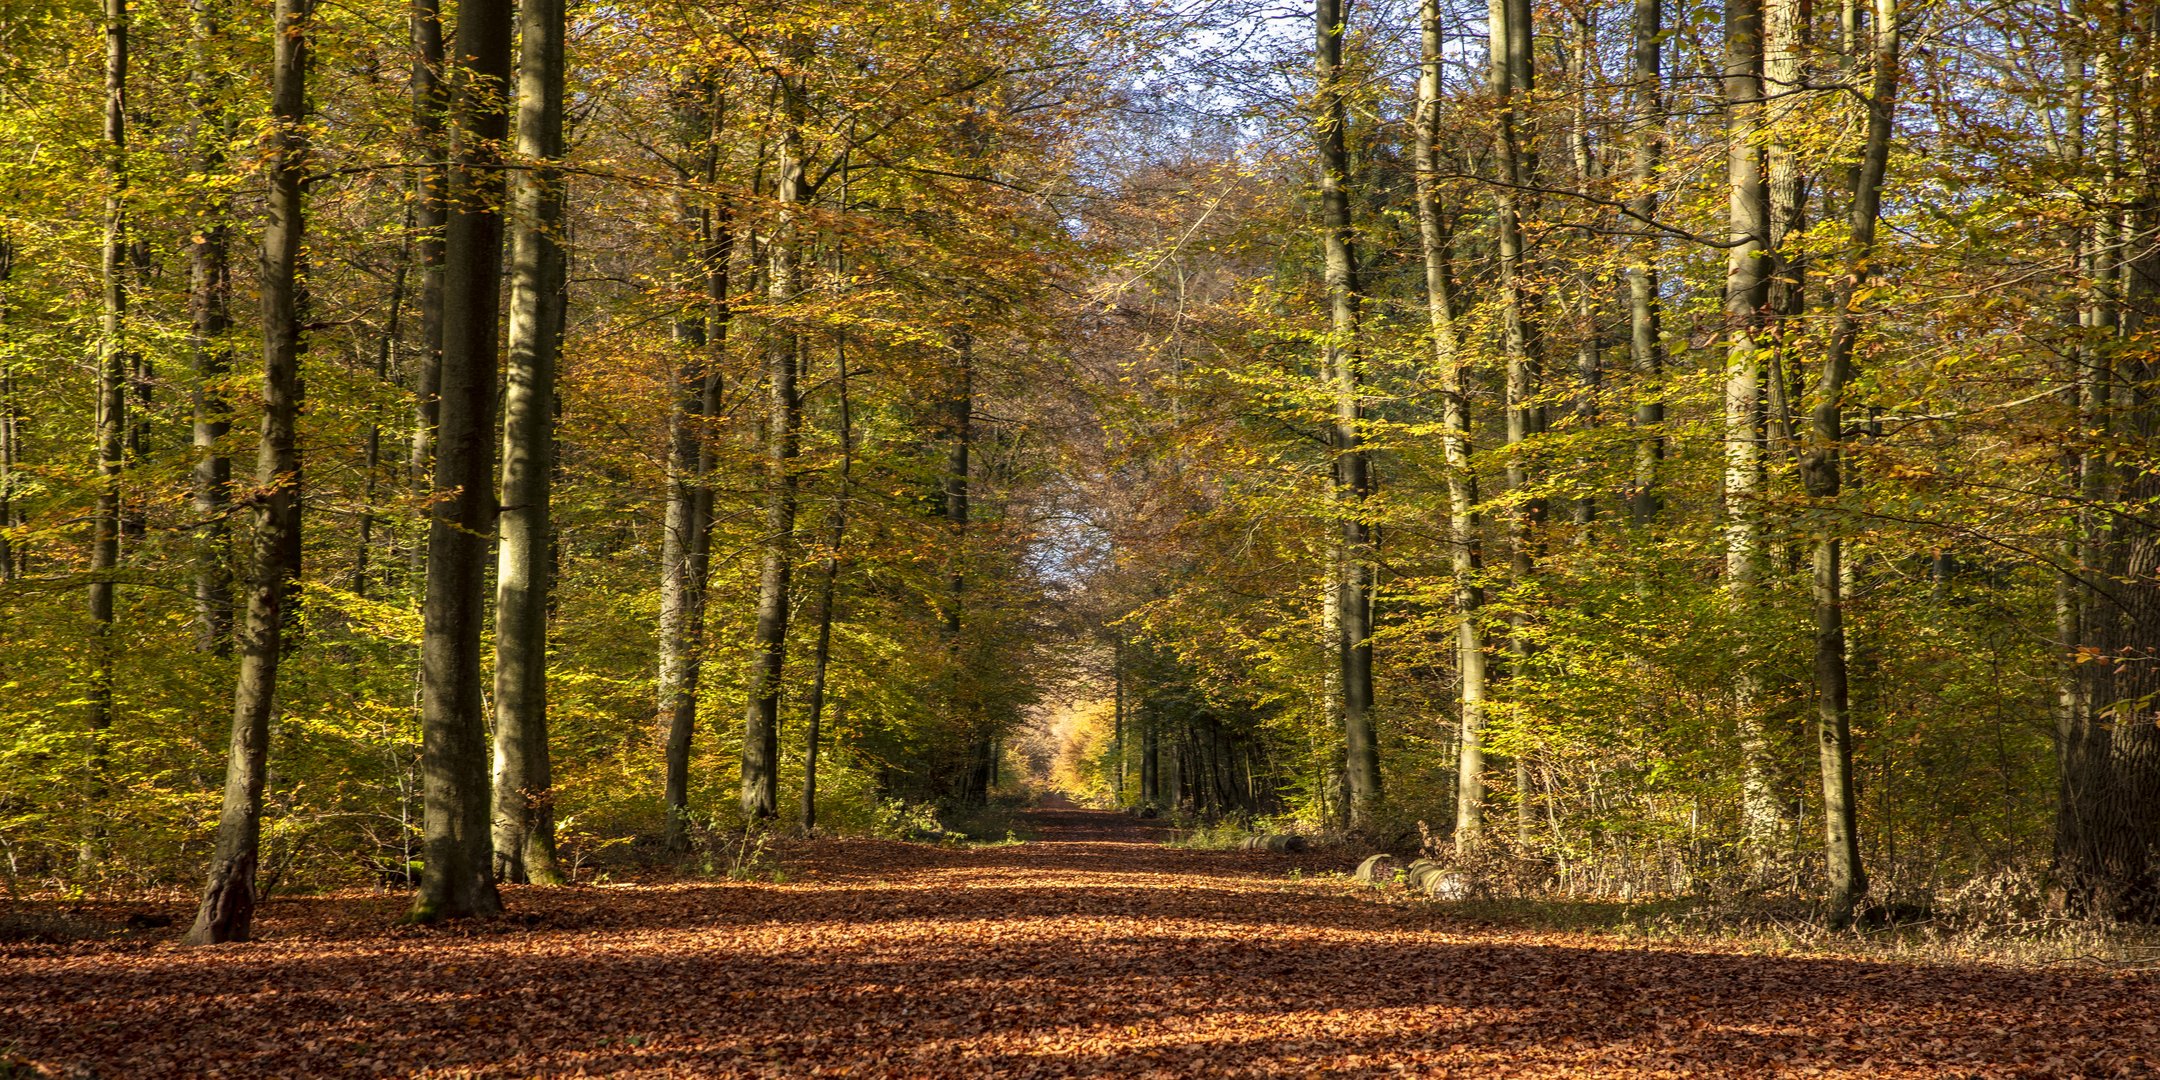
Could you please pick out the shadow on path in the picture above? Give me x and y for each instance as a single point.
(1093, 950)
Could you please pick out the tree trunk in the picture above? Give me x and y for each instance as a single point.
(524, 824)
(1589, 299)
(141, 378)
(112, 383)
(1512, 76)
(228, 904)
(2106, 834)
(1646, 352)
(1747, 277)
(458, 864)
(209, 319)
(1150, 765)
(1821, 474)
(1172, 777)
(979, 771)
(10, 420)
(1464, 527)
(1331, 682)
(2107, 830)
(686, 542)
(393, 330)
(1117, 719)
(959, 446)
(430, 104)
(835, 533)
(761, 715)
(1353, 467)
(1784, 29)
(1785, 44)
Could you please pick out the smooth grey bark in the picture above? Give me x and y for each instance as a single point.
(430, 133)
(1352, 480)
(1580, 64)
(228, 904)
(1465, 540)
(1646, 348)
(1784, 30)
(209, 319)
(783, 421)
(457, 877)
(524, 823)
(1747, 280)
(685, 549)
(1821, 474)
(828, 585)
(112, 385)
(686, 539)
(1512, 79)
(1784, 84)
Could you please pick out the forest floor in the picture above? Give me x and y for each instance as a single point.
(1092, 950)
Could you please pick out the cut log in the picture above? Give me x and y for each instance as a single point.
(1278, 843)
(1435, 880)
(1378, 870)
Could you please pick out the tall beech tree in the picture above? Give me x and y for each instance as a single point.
(700, 333)
(1748, 264)
(1820, 469)
(957, 424)
(458, 873)
(430, 132)
(828, 584)
(209, 263)
(112, 387)
(783, 422)
(228, 904)
(524, 825)
(1343, 368)
(1465, 543)
(1646, 346)
(1512, 80)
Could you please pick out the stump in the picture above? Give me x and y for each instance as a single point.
(1378, 869)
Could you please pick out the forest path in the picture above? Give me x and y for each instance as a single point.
(1093, 950)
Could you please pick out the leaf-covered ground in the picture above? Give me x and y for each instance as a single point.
(1092, 951)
